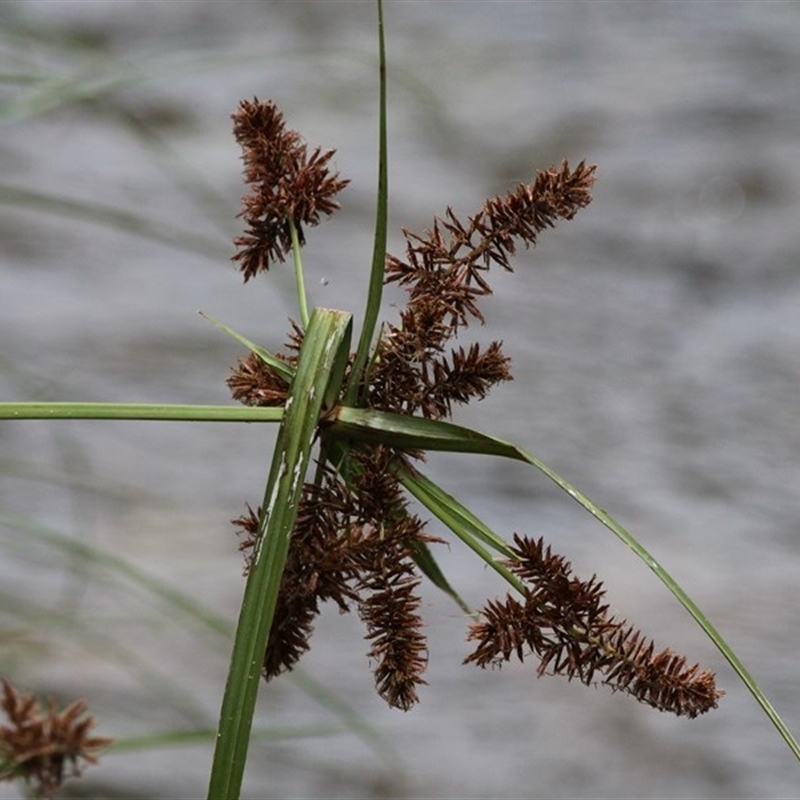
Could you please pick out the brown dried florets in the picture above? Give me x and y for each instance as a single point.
(355, 540)
(289, 186)
(565, 622)
(353, 543)
(443, 274)
(43, 746)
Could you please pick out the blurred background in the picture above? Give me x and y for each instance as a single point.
(655, 338)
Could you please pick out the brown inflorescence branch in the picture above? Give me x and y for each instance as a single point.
(443, 274)
(353, 543)
(43, 746)
(565, 622)
(287, 184)
(355, 539)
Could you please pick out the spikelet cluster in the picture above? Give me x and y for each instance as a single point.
(356, 542)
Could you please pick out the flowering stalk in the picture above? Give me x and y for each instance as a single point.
(298, 273)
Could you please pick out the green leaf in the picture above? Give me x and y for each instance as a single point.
(283, 369)
(471, 530)
(152, 411)
(376, 278)
(435, 497)
(424, 559)
(321, 361)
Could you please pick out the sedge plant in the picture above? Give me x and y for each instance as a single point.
(336, 522)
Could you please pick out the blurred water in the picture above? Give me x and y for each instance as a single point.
(656, 341)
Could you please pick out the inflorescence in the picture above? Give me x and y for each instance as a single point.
(43, 746)
(355, 539)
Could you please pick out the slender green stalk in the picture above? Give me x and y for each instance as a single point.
(376, 277)
(320, 368)
(298, 274)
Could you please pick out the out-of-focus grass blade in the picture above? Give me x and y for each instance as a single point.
(423, 434)
(322, 359)
(101, 214)
(170, 692)
(205, 736)
(55, 626)
(111, 75)
(349, 718)
(98, 558)
(285, 370)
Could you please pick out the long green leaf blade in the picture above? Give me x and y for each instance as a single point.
(281, 367)
(144, 411)
(322, 359)
(375, 291)
(430, 568)
(428, 492)
(471, 530)
(415, 433)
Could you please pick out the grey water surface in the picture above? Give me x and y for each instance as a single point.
(655, 338)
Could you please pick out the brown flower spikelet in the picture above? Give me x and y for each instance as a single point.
(565, 623)
(352, 543)
(287, 184)
(253, 382)
(443, 274)
(45, 746)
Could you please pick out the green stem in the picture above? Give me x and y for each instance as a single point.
(298, 274)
